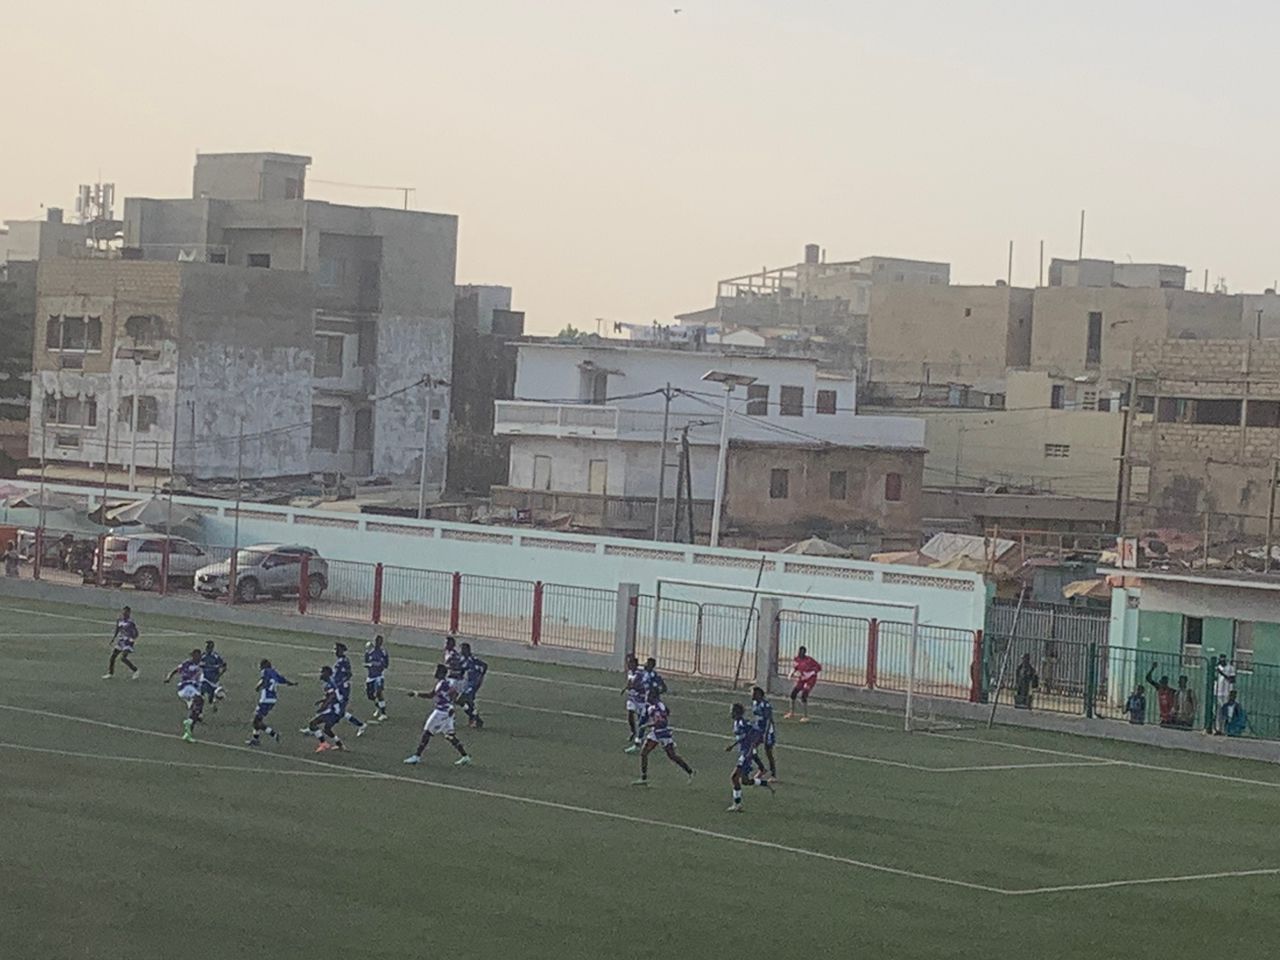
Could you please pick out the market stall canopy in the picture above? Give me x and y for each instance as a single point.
(48, 500)
(153, 512)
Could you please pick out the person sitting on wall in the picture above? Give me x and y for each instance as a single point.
(1136, 706)
(1184, 705)
(1231, 716)
(1164, 696)
(1024, 681)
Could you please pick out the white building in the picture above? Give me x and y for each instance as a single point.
(588, 420)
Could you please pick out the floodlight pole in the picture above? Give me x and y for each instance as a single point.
(721, 461)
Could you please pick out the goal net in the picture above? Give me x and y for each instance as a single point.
(927, 663)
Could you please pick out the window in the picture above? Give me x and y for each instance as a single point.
(541, 473)
(1192, 636)
(218, 256)
(1263, 413)
(593, 384)
(148, 412)
(1146, 404)
(838, 485)
(367, 344)
(792, 401)
(1090, 401)
(1057, 396)
(1222, 413)
(258, 260)
(1057, 451)
(364, 430)
(893, 487)
(73, 333)
(70, 411)
(1242, 649)
(292, 188)
(968, 311)
(143, 329)
(435, 413)
(328, 355)
(598, 476)
(758, 400)
(1104, 403)
(324, 428)
(779, 483)
(333, 271)
(826, 401)
(1093, 343)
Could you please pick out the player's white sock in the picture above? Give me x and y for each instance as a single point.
(737, 796)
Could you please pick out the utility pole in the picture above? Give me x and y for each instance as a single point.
(662, 462)
(1122, 493)
(233, 578)
(1080, 255)
(106, 465)
(1040, 282)
(133, 427)
(959, 448)
(679, 505)
(429, 384)
(1009, 275)
(687, 455)
(722, 459)
(44, 436)
(1271, 513)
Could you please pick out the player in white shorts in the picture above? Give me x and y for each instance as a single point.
(440, 721)
(190, 675)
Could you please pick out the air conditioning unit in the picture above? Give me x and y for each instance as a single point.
(67, 441)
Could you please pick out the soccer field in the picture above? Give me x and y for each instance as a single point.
(120, 841)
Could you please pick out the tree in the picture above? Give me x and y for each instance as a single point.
(570, 332)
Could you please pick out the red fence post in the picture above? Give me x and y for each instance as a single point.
(535, 632)
(39, 550)
(304, 584)
(455, 604)
(102, 552)
(975, 669)
(377, 593)
(873, 652)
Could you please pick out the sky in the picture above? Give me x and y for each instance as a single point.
(614, 158)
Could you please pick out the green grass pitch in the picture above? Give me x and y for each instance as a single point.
(120, 841)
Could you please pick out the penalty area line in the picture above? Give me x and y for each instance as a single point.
(113, 758)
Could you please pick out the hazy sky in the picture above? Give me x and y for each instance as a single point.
(610, 158)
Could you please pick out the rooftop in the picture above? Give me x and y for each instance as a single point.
(1217, 578)
(592, 342)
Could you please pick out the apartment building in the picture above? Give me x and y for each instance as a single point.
(314, 329)
(586, 443)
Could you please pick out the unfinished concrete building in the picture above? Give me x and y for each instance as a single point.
(314, 324)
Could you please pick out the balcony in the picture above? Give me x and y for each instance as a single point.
(528, 418)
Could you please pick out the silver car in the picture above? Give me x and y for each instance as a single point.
(138, 558)
(266, 569)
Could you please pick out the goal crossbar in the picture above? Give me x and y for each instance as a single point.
(914, 609)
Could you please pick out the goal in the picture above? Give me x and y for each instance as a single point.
(920, 711)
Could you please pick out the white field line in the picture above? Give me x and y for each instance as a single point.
(546, 804)
(366, 774)
(111, 758)
(1132, 764)
(790, 747)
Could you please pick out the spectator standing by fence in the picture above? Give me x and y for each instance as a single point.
(1025, 679)
(1223, 685)
(1232, 719)
(1184, 704)
(1136, 706)
(1165, 697)
(11, 559)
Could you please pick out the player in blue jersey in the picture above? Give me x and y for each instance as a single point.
(473, 671)
(376, 662)
(122, 641)
(660, 734)
(440, 720)
(214, 668)
(190, 676)
(328, 714)
(762, 714)
(269, 683)
(745, 740)
(650, 681)
(342, 674)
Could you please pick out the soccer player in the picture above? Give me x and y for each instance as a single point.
(213, 667)
(122, 641)
(657, 719)
(328, 714)
(342, 674)
(473, 671)
(805, 670)
(766, 732)
(376, 662)
(745, 739)
(635, 693)
(190, 677)
(440, 720)
(453, 661)
(650, 681)
(269, 682)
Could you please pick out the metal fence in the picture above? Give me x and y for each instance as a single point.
(712, 640)
(495, 608)
(845, 646)
(581, 618)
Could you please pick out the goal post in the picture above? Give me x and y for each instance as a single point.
(913, 609)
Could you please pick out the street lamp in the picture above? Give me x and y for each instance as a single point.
(137, 355)
(728, 381)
